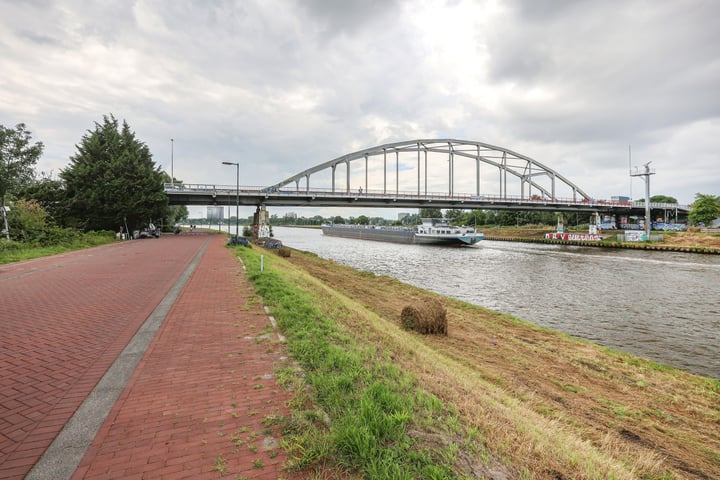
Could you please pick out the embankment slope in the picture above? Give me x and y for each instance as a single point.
(546, 404)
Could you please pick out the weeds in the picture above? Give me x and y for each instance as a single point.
(220, 465)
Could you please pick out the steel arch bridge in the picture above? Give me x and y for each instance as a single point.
(437, 173)
(530, 175)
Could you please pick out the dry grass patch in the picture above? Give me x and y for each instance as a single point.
(426, 316)
(547, 406)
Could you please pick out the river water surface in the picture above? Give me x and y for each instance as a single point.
(660, 305)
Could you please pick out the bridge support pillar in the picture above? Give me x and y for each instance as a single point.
(261, 222)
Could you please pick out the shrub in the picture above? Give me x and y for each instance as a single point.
(27, 220)
(10, 245)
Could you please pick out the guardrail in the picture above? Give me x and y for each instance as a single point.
(253, 190)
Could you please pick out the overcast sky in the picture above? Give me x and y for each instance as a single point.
(281, 86)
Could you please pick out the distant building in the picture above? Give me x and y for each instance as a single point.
(403, 215)
(215, 213)
(619, 199)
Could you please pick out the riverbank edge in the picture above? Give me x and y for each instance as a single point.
(633, 366)
(626, 245)
(581, 243)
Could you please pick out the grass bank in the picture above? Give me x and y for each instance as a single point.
(495, 398)
(62, 241)
(355, 411)
(689, 241)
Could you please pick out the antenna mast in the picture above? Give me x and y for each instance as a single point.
(645, 173)
(630, 169)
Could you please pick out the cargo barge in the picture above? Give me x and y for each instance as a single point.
(431, 232)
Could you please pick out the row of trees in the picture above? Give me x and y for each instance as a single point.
(458, 217)
(110, 183)
(705, 209)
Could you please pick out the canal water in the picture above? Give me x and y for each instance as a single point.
(663, 306)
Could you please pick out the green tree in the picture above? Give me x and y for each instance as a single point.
(174, 213)
(705, 209)
(659, 199)
(431, 213)
(662, 199)
(50, 194)
(476, 217)
(362, 220)
(113, 180)
(18, 157)
(453, 214)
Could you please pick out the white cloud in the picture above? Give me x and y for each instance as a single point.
(284, 86)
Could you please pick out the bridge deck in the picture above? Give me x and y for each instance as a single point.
(204, 194)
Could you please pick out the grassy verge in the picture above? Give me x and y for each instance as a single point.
(11, 251)
(499, 397)
(355, 411)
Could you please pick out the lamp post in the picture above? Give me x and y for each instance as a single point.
(172, 154)
(237, 202)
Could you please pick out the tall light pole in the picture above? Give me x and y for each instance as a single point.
(646, 176)
(172, 155)
(237, 202)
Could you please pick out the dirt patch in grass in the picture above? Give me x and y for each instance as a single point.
(545, 403)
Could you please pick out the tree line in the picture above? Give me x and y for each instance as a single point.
(111, 183)
(705, 209)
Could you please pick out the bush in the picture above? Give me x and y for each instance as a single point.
(10, 245)
(56, 236)
(27, 220)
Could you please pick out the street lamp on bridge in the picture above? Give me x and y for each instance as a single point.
(237, 203)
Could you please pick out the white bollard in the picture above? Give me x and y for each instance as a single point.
(262, 263)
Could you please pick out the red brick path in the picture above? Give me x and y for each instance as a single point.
(63, 321)
(202, 400)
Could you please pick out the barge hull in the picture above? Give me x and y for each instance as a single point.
(395, 236)
(400, 235)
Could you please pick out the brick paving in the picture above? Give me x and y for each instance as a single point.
(200, 403)
(64, 320)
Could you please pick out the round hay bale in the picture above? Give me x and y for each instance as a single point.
(284, 251)
(425, 316)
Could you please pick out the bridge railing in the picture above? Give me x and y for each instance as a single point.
(215, 190)
(251, 190)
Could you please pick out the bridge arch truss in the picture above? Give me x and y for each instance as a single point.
(427, 165)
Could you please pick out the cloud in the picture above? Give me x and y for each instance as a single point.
(283, 86)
